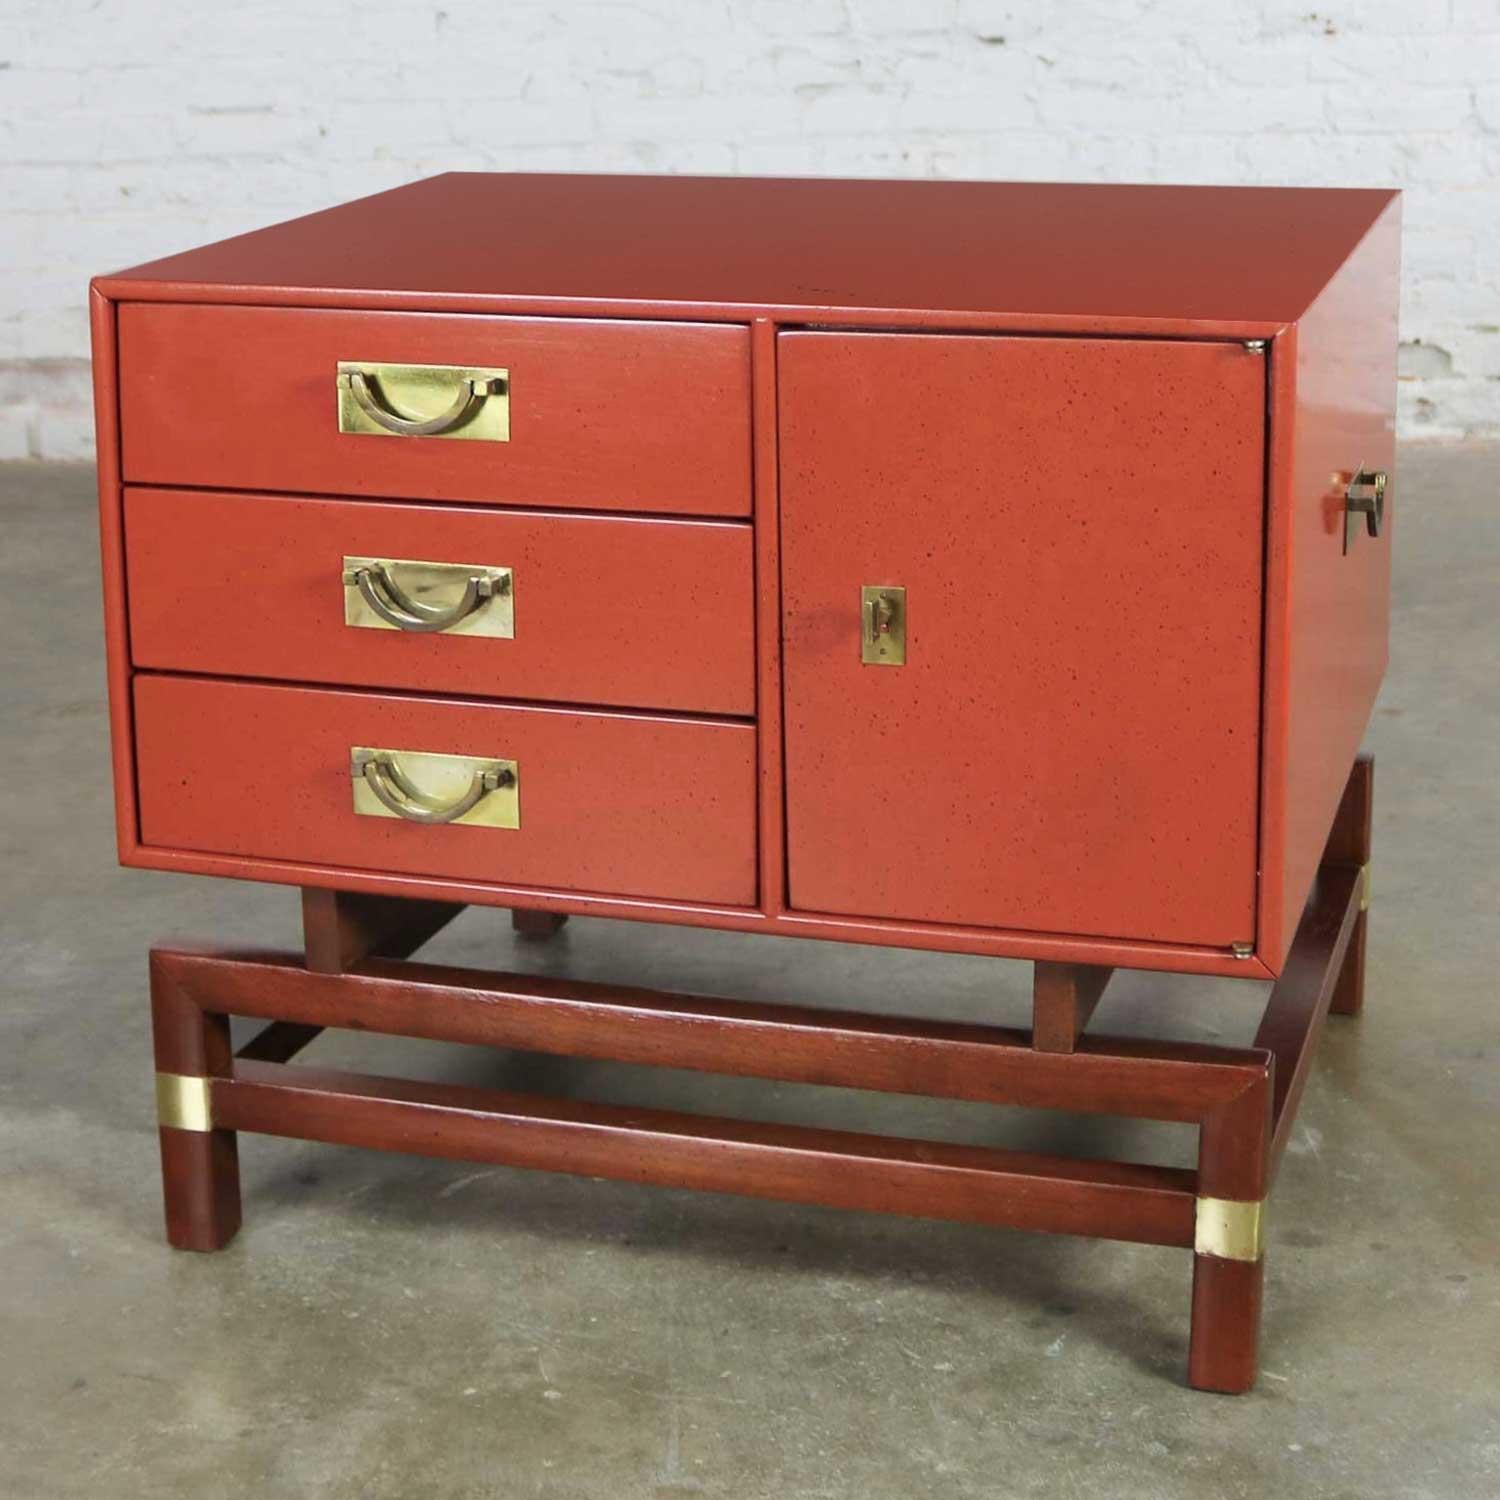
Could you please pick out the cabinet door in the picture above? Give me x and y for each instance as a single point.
(1072, 743)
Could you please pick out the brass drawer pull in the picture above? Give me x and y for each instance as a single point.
(407, 800)
(391, 399)
(471, 599)
(380, 774)
(471, 393)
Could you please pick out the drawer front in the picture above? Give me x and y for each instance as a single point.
(623, 611)
(613, 804)
(601, 415)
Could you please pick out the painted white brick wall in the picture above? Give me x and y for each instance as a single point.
(133, 128)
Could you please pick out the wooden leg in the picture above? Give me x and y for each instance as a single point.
(1349, 844)
(1063, 997)
(1298, 1006)
(1242, 1140)
(200, 1173)
(339, 928)
(1234, 1166)
(1349, 992)
(1224, 1351)
(537, 924)
(200, 1167)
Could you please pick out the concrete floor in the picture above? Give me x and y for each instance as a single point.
(390, 1327)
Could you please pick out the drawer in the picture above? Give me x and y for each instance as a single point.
(601, 415)
(617, 804)
(633, 611)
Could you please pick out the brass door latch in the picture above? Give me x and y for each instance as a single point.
(883, 625)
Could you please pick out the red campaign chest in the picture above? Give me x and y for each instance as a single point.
(980, 567)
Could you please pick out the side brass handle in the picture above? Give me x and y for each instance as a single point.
(471, 396)
(382, 593)
(1364, 495)
(400, 795)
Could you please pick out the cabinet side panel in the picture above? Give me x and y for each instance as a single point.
(1328, 610)
(112, 564)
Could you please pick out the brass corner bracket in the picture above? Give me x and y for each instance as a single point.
(1230, 1229)
(183, 1102)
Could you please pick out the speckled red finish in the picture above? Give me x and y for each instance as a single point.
(1131, 258)
(655, 315)
(605, 415)
(1072, 744)
(612, 610)
(628, 804)
(1327, 614)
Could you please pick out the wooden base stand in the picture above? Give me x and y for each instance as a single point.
(356, 973)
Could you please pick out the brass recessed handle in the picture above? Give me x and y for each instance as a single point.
(423, 401)
(417, 595)
(382, 593)
(398, 793)
(1364, 495)
(471, 394)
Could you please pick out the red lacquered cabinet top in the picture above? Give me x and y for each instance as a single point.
(1042, 254)
(1099, 434)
